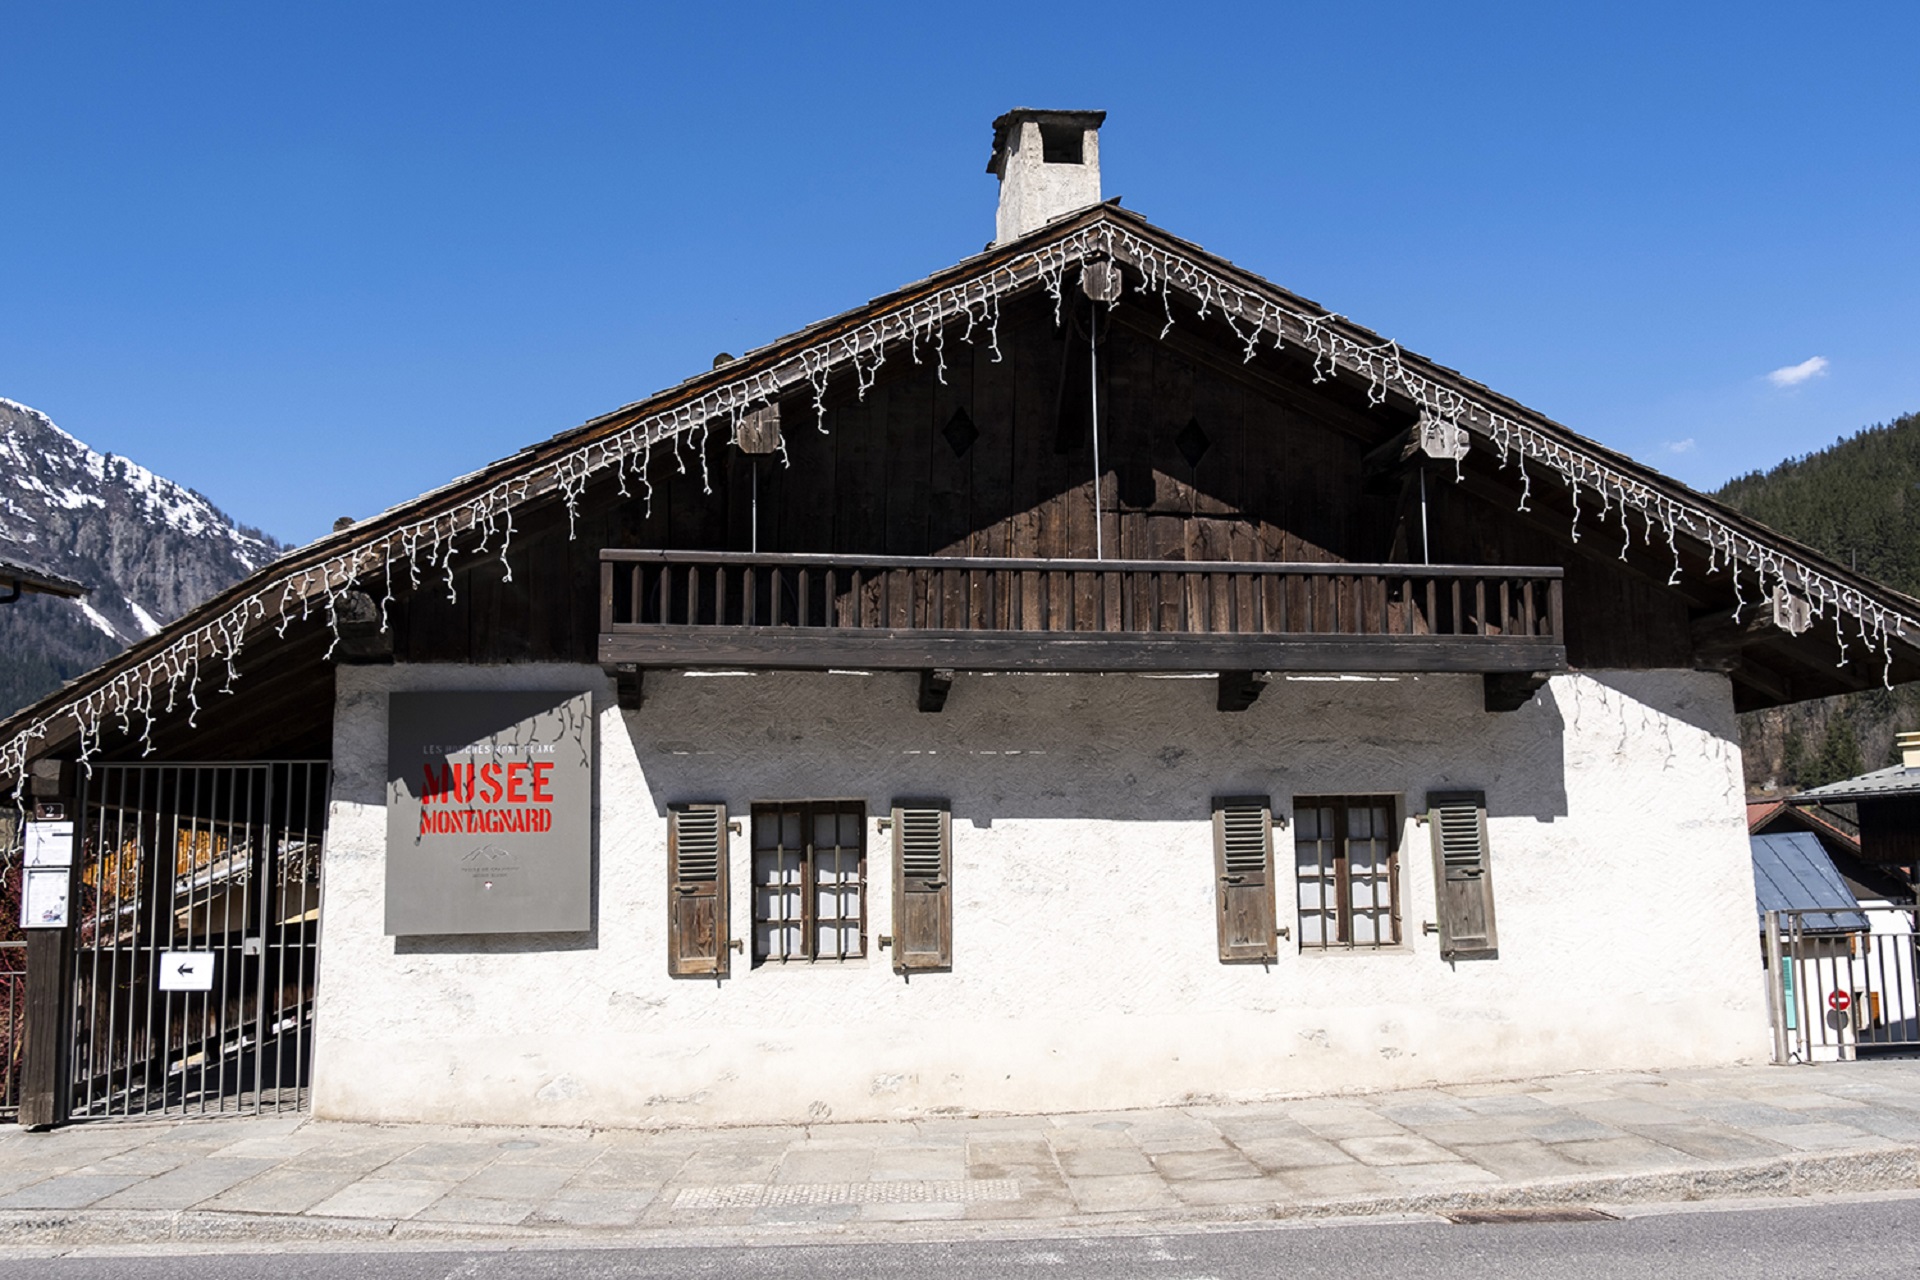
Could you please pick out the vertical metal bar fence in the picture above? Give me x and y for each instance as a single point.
(198, 910)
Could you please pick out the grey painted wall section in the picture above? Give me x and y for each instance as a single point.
(1085, 963)
(489, 812)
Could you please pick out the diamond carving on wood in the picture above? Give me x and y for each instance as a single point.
(1192, 442)
(960, 433)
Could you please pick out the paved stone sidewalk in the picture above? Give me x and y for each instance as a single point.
(1574, 1139)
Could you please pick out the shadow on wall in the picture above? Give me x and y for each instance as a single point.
(1114, 747)
(1709, 713)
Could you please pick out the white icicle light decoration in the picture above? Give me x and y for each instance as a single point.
(862, 348)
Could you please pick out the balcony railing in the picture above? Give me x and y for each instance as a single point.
(680, 608)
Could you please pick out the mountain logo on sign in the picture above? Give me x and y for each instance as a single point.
(487, 852)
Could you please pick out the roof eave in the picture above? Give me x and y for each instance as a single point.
(367, 532)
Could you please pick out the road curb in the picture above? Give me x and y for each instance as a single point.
(1889, 1168)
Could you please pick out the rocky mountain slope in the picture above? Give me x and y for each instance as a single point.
(150, 549)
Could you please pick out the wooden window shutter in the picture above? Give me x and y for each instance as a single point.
(1462, 873)
(697, 920)
(1243, 865)
(922, 886)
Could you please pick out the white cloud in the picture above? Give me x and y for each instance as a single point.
(1795, 374)
(1680, 446)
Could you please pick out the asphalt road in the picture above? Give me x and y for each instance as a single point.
(1862, 1238)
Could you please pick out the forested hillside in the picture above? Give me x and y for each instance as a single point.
(1859, 501)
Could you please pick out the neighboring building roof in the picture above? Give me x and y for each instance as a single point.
(17, 578)
(1791, 872)
(1872, 881)
(1895, 780)
(1766, 816)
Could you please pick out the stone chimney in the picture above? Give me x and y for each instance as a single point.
(1909, 745)
(1048, 163)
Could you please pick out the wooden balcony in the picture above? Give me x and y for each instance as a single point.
(728, 609)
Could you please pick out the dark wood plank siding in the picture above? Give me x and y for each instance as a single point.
(1278, 481)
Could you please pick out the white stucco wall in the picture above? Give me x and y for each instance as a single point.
(1085, 965)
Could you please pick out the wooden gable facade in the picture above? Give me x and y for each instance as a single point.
(1332, 540)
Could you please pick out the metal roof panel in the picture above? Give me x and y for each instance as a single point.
(1791, 872)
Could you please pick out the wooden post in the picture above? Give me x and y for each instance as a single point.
(43, 1051)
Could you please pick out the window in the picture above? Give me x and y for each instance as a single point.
(809, 881)
(1346, 860)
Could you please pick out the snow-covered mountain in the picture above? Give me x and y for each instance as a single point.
(149, 548)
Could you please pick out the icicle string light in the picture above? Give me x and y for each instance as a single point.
(859, 347)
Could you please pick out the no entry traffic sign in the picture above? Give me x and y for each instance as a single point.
(1839, 1002)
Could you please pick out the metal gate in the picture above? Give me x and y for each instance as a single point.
(198, 904)
(13, 1009)
(1844, 983)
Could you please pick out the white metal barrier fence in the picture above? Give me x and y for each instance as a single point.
(1843, 984)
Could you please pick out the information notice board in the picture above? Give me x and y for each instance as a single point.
(489, 813)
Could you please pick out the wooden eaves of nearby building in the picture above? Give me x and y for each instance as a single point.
(17, 580)
(1887, 802)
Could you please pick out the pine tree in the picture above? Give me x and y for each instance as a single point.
(1793, 758)
(1839, 754)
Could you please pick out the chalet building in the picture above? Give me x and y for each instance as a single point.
(1886, 803)
(1090, 676)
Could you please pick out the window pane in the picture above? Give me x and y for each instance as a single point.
(777, 904)
(1313, 852)
(790, 830)
(1370, 874)
(1313, 929)
(825, 829)
(850, 824)
(1367, 909)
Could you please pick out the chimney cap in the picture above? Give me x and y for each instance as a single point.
(1908, 745)
(1010, 121)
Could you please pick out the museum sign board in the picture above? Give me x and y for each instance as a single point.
(489, 812)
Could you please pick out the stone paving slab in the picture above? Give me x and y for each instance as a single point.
(1580, 1139)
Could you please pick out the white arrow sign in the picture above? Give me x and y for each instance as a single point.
(186, 970)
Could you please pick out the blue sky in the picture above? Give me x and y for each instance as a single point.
(312, 260)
